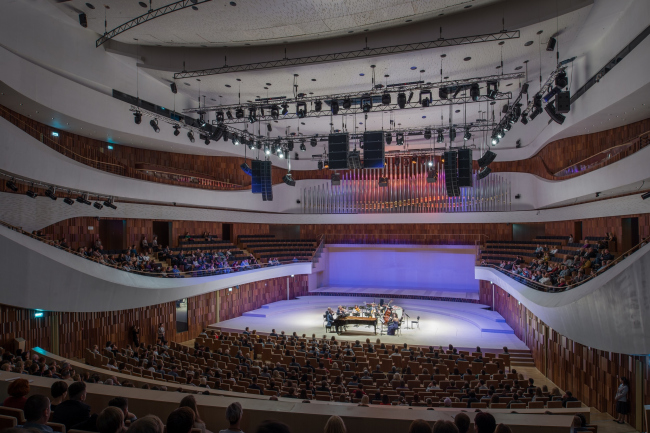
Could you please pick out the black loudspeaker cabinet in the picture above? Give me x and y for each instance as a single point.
(451, 174)
(563, 102)
(373, 149)
(464, 168)
(338, 148)
(262, 179)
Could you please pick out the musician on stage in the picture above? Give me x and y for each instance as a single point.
(329, 318)
(357, 309)
(393, 325)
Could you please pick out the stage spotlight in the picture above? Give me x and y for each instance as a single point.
(430, 163)
(524, 88)
(408, 101)
(281, 154)
(51, 193)
(389, 138)
(285, 109)
(399, 138)
(68, 201)
(495, 140)
(275, 112)
(202, 121)
(220, 117)
(443, 93)
(154, 125)
(252, 116)
(226, 135)
(326, 164)
(414, 160)
(554, 115)
(229, 114)
(12, 185)
(303, 148)
(313, 142)
(427, 133)
(320, 165)
(386, 99)
(366, 103)
(645, 196)
(207, 140)
(269, 127)
(301, 109)
(483, 173)
(452, 134)
(31, 193)
(267, 149)
(239, 113)
(383, 182)
(401, 100)
(137, 117)
(251, 144)
(190, 135)
(507, 126)
(290, 145)
(550, 46)
(347, 103)
(500, 133)
(467, 134)
(474, 92)
(425, 98)
(83, 199)
(561, 80)
(441, 137)
(235, 140)
(262, 111)
(492, 89)
(288, 179)
(335, 107)
(97, 205)
(109, 203)
(536, 112)
(177, 130)
(318, 105)
(524, 119)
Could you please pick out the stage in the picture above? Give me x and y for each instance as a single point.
(463, 324)
(469, 295)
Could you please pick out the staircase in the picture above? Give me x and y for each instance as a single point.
(521, 358)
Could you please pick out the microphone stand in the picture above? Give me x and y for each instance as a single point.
(407, 319)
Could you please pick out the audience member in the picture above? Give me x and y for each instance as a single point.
(484, 422)
(272, 426)
(462, 422)
(73, 411)
(37, 413)
(180, 420)
(335, 425)
(17, 390)
(444, 426)
(111, 420)
(147, 424)
(234, 413)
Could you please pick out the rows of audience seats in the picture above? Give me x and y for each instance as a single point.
(266, 247)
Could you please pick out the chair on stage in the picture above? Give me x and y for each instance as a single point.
(415, 322)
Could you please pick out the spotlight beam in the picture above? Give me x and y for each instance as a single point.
(349, 55)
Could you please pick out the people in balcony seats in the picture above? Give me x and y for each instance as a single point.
(539, 251)
(570, 238)
(295, 259)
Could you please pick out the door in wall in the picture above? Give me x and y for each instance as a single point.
(113, 234)
(163, 230)
(226, 232)
(577, 231)
(630, 236)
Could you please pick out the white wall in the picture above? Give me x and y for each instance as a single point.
(37, 275)
(607, 313)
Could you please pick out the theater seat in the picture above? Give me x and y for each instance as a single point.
(573, 404)
(7, 422)
(16, 413)
(554, 404)
(60, 428)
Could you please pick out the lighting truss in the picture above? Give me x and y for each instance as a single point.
(349, 55)
(151, 15)
(266, 103)
(46, 186)
(546, 87)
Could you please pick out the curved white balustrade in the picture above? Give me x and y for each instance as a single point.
(606, 313)
(37, 275)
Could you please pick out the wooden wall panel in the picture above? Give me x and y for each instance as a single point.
(194, 228)
(550, 159)
(591, 374)
(252, 296)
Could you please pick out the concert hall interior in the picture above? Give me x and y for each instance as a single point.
(280, 216)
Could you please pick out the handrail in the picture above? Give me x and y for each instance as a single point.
(163, 274)
(597, 159)
(406, 239)
(319, 248)
(547, 288)
(171, 171)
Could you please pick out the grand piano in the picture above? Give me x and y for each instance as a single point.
(340, 322)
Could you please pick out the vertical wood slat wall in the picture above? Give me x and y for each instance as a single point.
(77, 331)
(590, 374)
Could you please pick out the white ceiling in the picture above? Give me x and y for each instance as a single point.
(217, 23)
(345, 77)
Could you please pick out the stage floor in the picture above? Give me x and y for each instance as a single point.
(441, 323)
(470, 294)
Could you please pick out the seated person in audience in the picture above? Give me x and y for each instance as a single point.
(568, 396)
(59, 392)
(515, 399)
(73, 411)
(180, 420)
(37, 413)
(472, 399)
(122, 403)
(234, 413)
(254, 384)
(111, 420)
(17, 390)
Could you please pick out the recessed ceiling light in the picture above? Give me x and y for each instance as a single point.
(509, 84)
(361, 74)
(350, 31)
(143, 4)
(457, 111)
(443, 55)
(90, 6)
(440, 15)
(502, 42)
(198, 79)
(195, 8)
(499, 67)
(268, 84)
(238, 79)
(233, 4)
(518, 68)
(468, 6)
(445, 78)
(493, 102)
(266, 88)
(360, 123)
(187, 84)
(212, 99)
(408, 21)
(413, 68)
(528, 44)
(424, 117)
(313, 79)
(227, 85)
(540, 32)
(302, 123)
(467, 59)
